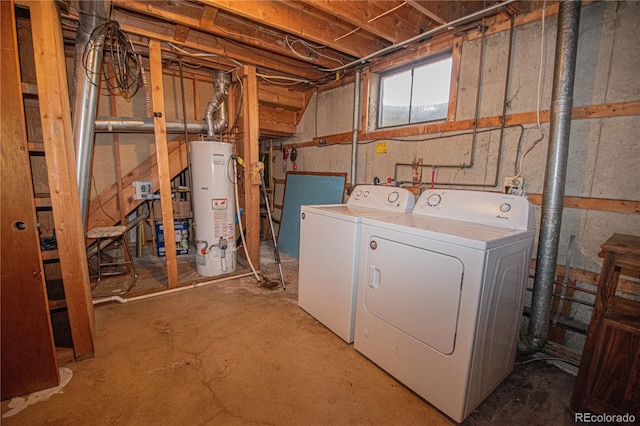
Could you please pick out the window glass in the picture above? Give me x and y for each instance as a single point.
(396, 99)
(416, 95)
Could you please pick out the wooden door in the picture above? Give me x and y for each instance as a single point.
(27, 349)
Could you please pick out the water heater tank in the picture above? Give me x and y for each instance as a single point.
(214, 208)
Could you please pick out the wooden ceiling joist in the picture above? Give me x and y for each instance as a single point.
(428, 11)
(206, 43)
(213, 23)
(303, 21)
(285, 98)
(381, 18)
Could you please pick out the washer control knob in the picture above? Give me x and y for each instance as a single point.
(358, 193)
(505, 207)
(434, 200)
(393, 197)
(366, 193)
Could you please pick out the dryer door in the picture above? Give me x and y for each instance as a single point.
(415, 290)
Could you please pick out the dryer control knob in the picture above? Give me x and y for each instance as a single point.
(358, 193)
(434, 200)
(505, 207)
(366, 193)
(393, 197)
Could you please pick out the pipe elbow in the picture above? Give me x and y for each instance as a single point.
(528, 345)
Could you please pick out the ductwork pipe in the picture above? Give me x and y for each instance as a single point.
(218, 104)
(85, 92)
(555, 176)
(357, 103)
(145, 125)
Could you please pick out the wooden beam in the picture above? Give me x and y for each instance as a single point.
(196, 98)
(295, 18)
(599, 204)
(281, 97)
(381, 18)
(251, 151)
(275, 121)
(55, 115)
(27, 349)
(365, 104)
(226, 27)
(413, 53)
(500, 22)
(220, 49)
(427, 11)
(181, 33)
(627, 285)
(116, 155)
(162, 154)
(579, 113)
(456, 56)
(208, 18)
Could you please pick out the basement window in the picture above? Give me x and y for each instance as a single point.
(416, 95)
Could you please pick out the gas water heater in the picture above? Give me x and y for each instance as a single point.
(214, 207)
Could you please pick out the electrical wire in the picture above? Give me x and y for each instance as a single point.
(540, 66)
(100, 201)
(122, 72)
(312, 48)
(371, 20)
(440, 136)
(568, 361)
(292, 81)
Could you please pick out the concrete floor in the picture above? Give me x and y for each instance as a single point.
(236, 353)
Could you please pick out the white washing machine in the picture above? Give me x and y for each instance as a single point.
(441, 294)
(328, 263)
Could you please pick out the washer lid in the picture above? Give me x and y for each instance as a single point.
(468, 234)
(346, 212)
(368, 201)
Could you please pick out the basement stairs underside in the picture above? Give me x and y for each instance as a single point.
(104, 207)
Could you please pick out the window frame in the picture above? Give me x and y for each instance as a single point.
(449, 53)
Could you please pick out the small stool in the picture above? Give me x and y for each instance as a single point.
(116, 234)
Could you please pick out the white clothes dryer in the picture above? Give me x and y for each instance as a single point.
(441, 294)
(328, 263)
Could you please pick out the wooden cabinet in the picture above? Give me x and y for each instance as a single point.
(609, 378)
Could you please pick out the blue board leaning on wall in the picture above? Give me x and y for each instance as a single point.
(305, 188)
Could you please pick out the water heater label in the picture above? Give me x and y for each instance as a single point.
(219, 203)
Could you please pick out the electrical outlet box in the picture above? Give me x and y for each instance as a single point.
(143, 190)
(513, 182)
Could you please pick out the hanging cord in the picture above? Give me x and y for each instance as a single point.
(371, 20)
(122, 71)
(244, 243)
(541, 137)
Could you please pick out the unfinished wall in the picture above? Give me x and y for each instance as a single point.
(604, 152)
(137, 147)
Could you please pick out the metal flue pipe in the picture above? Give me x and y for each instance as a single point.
(555, 176)
(145, 125)
(85, 92)
(218, 104)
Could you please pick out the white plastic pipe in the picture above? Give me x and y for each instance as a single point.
(120, 299)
